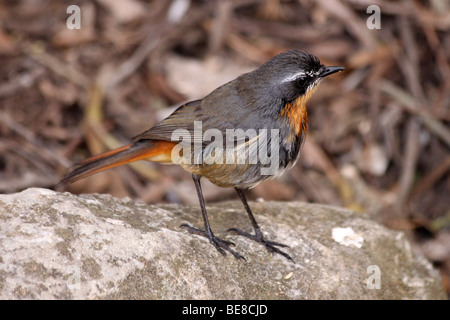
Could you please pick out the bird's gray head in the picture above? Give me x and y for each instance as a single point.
(292, 74)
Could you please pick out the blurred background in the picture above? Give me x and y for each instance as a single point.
(379, 135)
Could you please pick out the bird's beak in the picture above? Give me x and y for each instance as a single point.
(330, 70)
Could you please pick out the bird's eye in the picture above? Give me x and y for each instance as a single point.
(300, 80)
(301, 85)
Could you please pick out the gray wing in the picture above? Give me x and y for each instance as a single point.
(220, 111)
(181, 118)
(196, 117)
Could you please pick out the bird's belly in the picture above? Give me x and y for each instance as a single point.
(230, 175)
(244, 165)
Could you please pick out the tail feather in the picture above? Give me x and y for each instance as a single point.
(142, 149)
(102, 155)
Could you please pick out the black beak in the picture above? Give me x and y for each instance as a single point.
(330, 70)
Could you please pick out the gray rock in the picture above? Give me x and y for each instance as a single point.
(62, 246)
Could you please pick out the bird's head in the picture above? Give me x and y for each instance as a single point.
(293, 74)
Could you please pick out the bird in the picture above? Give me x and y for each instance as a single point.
(244, 132)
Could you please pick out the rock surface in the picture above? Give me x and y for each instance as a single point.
(62, 246)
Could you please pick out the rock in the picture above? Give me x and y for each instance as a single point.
(62, 246)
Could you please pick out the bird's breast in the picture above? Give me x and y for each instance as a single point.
(295, 114)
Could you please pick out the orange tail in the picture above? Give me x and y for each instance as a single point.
(152, 150)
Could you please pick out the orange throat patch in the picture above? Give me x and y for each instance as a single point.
(297, 116)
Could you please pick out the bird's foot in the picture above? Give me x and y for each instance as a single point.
(221, 245)
(271, 246)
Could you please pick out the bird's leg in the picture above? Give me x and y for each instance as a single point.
(219, 244)
(258, 236)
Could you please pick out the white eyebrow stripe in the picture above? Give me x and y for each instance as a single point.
(292, 77)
